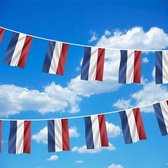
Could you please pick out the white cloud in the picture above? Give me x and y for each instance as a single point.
(136, 38)
(145, 60)
(149, 94)
(79, 161)
(53, 157)
(73, 132)
(107, 33)
(115, 166)
(122, 104)
(41, 136)
(113, 130)
(54, 98)
(94, 37)
(83, 149)
(88, 88)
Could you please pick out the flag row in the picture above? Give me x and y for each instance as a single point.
(93, 60)
(96, 135)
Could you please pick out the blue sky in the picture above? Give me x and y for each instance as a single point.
(29, 93)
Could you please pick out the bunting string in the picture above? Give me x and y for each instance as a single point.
(83, 116)
(96, 133)
(75, 44)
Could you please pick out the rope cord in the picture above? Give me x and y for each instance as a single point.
(77, 117)
(75, 44)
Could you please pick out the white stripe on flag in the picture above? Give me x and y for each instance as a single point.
(132, 126)
(56, 57)
(164, 109)
(96, 131)
(18, 50)
(93, 63)
(165, 65)
(20, 137)
(130, 66)
(58, 135)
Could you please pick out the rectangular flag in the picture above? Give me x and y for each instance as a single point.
(161, 110)
(96, 132)
(130, 66)
(19, 137)
(132, 125)
(0, 135)
(1, 34)
(161, 71)
(93, 63)
(58, 135)
(55, 58)
(18, 49)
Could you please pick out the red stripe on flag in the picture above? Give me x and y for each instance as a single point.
(62, 60)
(1, 34)
(0, 135)
(103, 130)
(65, 135)
(25, 51)
(167, 102)
(100, 64)
(27, 136)
(139, 123)
(137, 66)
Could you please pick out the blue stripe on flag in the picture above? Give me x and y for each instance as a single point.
(11, 48)
(159, 67)
(86, 63)
(123, 66)
(49, 56)
(12, 137)
(125, 127)
(89, 133)
(160, 119)
(51, 136)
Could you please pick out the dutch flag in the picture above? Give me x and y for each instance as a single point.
(1, 34)
(18, 49)
(58, 135)
(93, 63)
(130, 67)
(161, 110)
(96, 132)
(161, 71)
(132, 125)
(19, 137)
(55, 58)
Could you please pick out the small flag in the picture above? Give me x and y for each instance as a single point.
(161, 110)
(1, 34)
(132, 125)
(55, 58)
(19, 137)
(130, 67)
(18, 49)
(96, 132)
(58, 135)
(0, 135)
(161, 72)
(93, 63)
